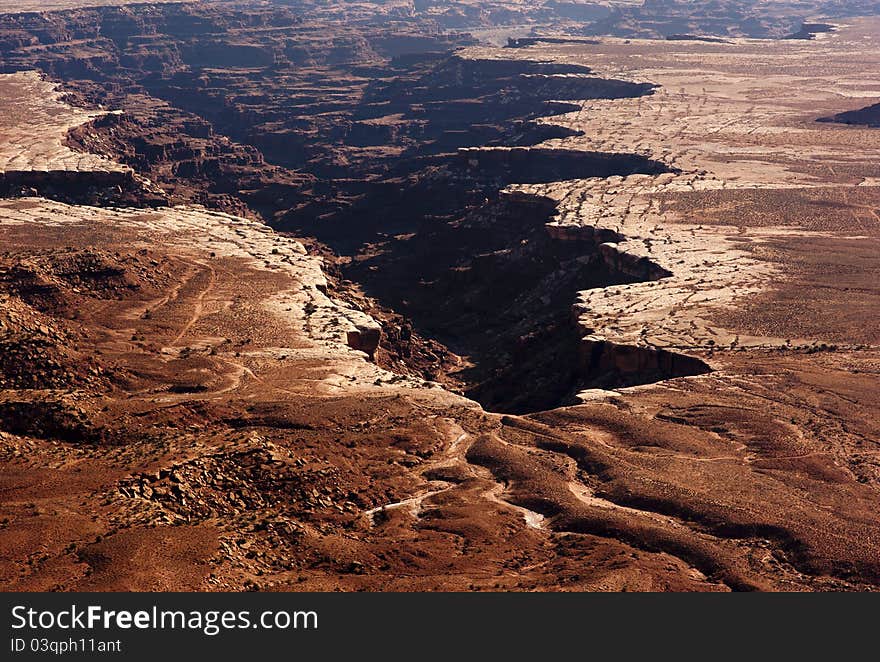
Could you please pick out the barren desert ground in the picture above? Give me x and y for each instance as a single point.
(288, 307)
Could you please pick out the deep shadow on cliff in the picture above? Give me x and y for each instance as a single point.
(867, 116)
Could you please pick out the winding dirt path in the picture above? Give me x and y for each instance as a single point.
(199, 306)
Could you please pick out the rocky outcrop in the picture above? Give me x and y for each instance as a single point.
(365, 337)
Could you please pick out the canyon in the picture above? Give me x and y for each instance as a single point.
(401, 307)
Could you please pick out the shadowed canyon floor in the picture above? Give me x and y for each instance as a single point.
(566, 316)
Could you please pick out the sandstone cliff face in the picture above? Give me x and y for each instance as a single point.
(605, 364)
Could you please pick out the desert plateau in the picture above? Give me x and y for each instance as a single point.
(440, 295)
